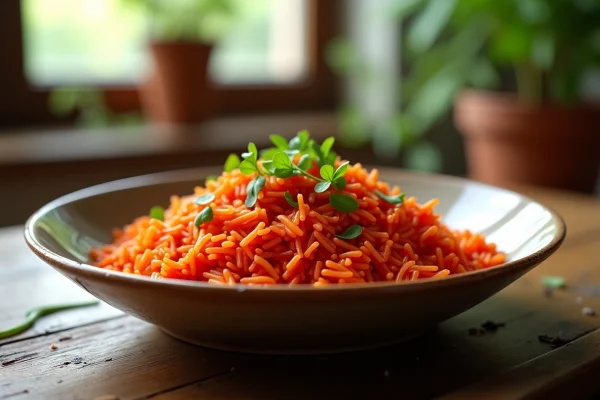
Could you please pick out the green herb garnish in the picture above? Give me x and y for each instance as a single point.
(253, 188)
(203, 216)
(232, 162)
(554, 282)
(352, 232)
(158, 213)
(211, 178)
(291, 200)
(343, 203)
(279, 142)
(32, 315)
(205, 198)
(280, 161)
(392, 199)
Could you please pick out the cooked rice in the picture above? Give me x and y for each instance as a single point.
(275, 243)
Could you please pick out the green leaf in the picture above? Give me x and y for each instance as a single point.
(279, 142)
(512, 45)
(341, 170)
(203, 216)
(205, 198)
(327, 145)
(340, 183)
(252, 149)
(300, 141)
(211, 178)
(295, 143)
(392, 199)
(248, 167)
(291, 200)
(327, 172)
(268, 154)
(232, 162)
(253, 188)
(330, 158)
(283, 173)
(304, 137)
(282, 161)
(352, 232)
(322, 186)
(318, 153)
(260, 183)
(429, 24)
(553, 282)
(252, 153)
(158, 213)
(343, 203)
(305, 162)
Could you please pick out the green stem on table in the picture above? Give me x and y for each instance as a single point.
(32, 315)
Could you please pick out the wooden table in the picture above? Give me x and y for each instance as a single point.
(102, 352)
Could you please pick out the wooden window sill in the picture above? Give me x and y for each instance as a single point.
(226, 134)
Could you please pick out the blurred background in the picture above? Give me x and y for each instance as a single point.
(95, 90)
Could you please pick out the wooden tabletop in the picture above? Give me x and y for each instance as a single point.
(102, 353)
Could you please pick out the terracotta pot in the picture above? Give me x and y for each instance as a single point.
(509, 142)
(177, 90)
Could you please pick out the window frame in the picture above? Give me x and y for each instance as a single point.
(27, 105)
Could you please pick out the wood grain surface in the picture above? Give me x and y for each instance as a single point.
(102, 352)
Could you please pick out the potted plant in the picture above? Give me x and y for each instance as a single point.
(542, 130)
(182, 36)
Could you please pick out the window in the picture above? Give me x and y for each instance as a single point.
(70, 42)
(272, 61)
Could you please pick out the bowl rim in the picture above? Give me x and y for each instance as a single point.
(182, 175)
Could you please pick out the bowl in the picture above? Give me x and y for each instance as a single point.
(300, 319)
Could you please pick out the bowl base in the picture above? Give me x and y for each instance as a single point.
(317, 349)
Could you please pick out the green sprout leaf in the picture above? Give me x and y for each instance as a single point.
(158, 213)
(300, 141)
(204, 199)
(203, 216)
(340, 183)
(282, 161)
(253, 188)
(291, 200)
(352, 232)
(232, 162)
(268, 154)
(322, 186)
(252, 153)
(283, 173)
(279, 142)
(343, 203)
(305, 162)
(340, 171)
(248, 167)
(392, 199)
(327, 145)
(327, 173)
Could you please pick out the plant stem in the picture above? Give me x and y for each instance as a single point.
(530, 83)
(32, 315)
(308, 175)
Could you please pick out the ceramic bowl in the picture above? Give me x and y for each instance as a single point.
(300, 319)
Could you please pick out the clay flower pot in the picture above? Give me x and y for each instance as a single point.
(177, 91)
(510, 142)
